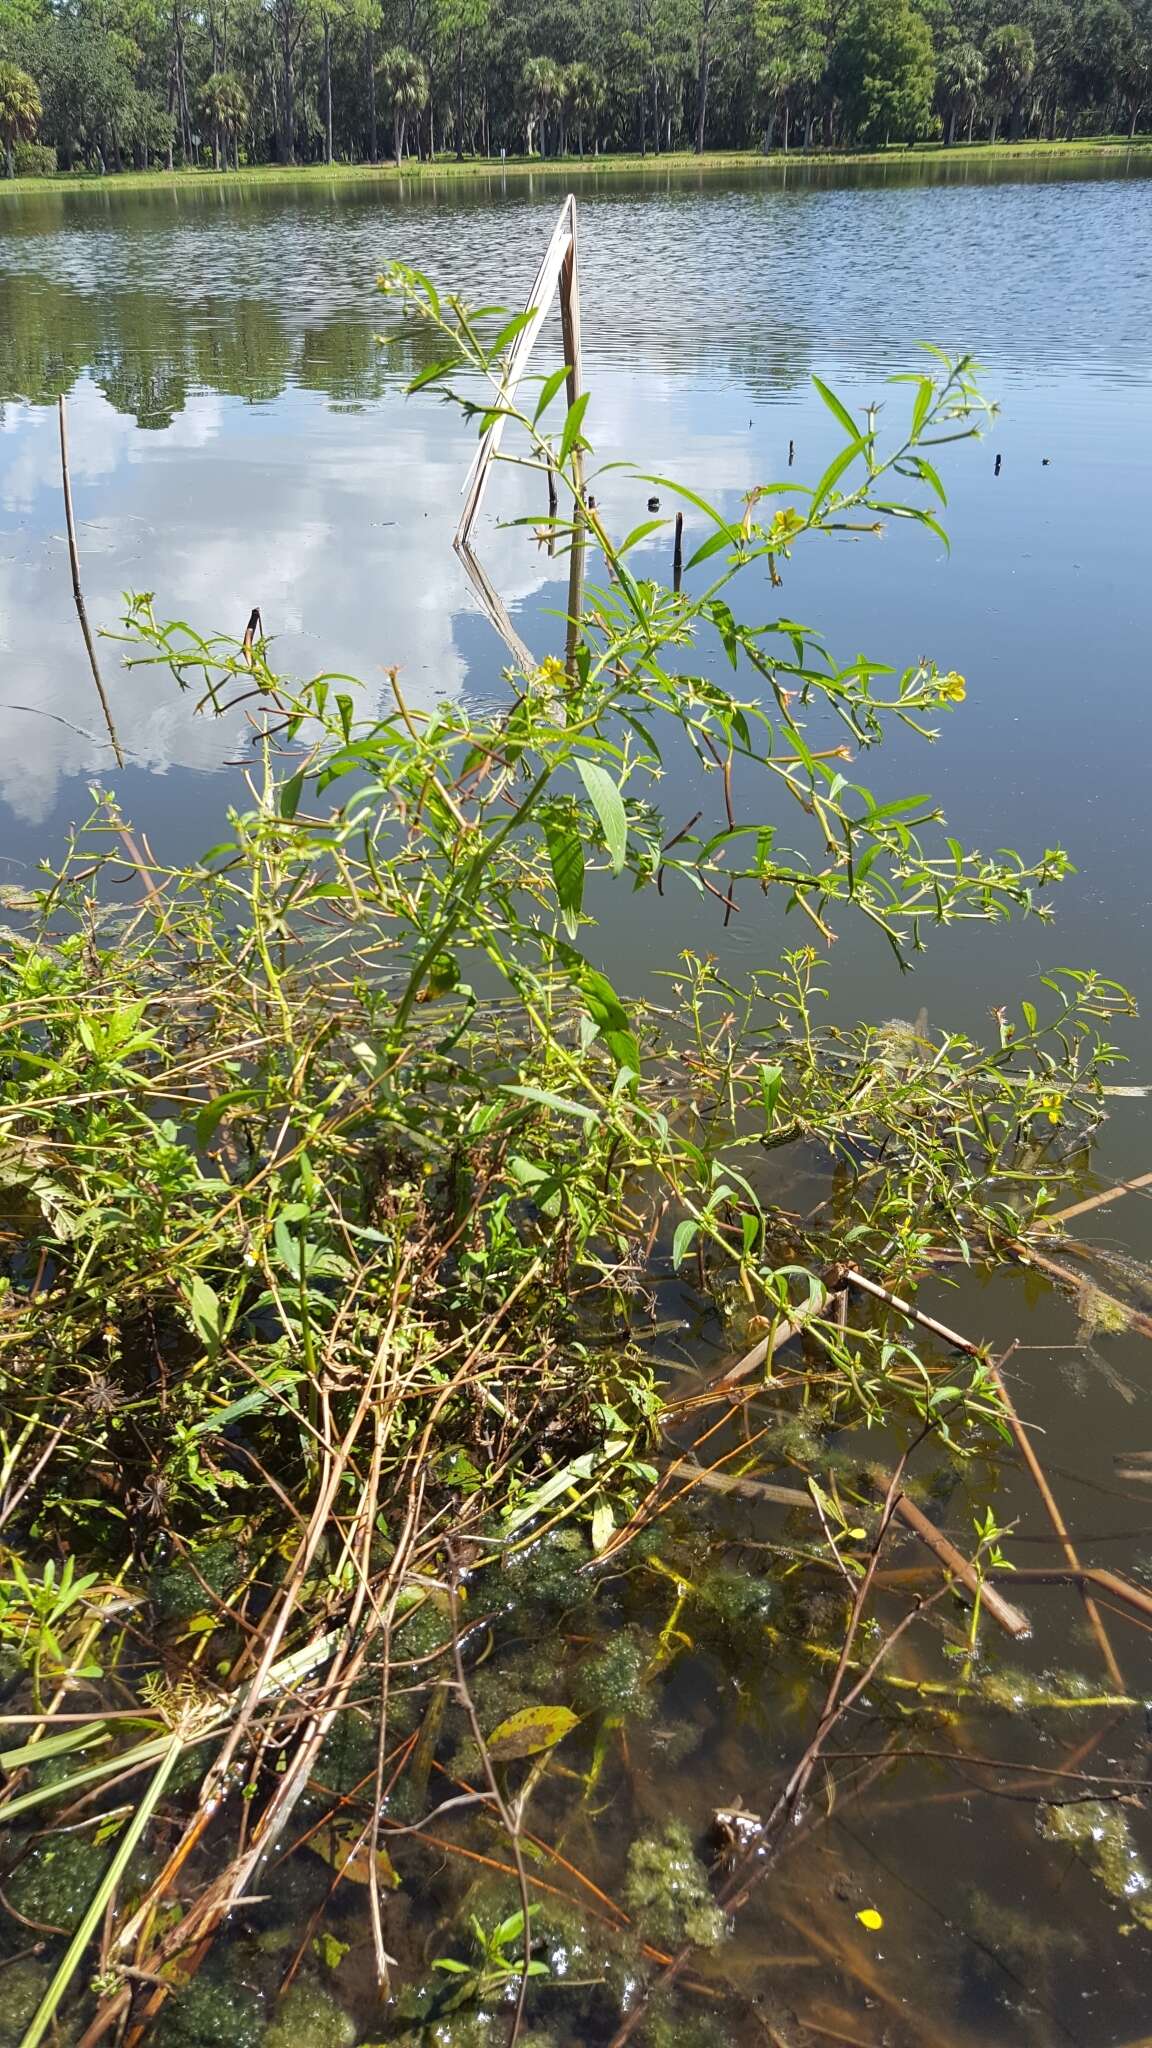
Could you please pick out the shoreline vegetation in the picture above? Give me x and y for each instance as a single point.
(576, 168)
(384, 1292)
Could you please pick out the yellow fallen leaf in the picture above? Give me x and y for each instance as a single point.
(871, 1919)
(351, 1857)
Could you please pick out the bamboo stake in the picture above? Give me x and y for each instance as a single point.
(77, 592)
(559, 249)
(570, 326)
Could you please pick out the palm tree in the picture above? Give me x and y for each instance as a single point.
(583, 96)
(1010, 54)
(542, 83)
(961, 81)
(225, 103)
(405, 80)
(20, 111)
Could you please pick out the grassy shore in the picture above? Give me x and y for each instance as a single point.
(572, 168)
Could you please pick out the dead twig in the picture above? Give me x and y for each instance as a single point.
(77, 592)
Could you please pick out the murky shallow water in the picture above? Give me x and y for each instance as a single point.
(237, 439)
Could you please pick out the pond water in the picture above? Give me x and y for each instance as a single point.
(239, 439)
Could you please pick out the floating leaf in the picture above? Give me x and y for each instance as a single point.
(529, 1732)
(349, 1851)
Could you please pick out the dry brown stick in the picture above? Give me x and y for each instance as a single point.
(1083, 1575)
(77, 593)
(1010, 1618)
(1123, 1187)
(915, 1315)
(1024, 1445)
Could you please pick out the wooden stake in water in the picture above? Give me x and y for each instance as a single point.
(77, 593)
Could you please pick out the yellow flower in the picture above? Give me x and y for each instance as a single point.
(1052, 1106)
(953, 688)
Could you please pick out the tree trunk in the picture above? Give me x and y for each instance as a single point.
(995, 124)
(951, 126)
(460, 96)
(371, 70)
(181, 83)
(787, 124)
(9, 157)
(398, 136)
(971, 119)
(289, 115)
(328, 152)
(702, 77)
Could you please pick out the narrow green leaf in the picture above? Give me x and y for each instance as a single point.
(548, 390)
(925, 393)
(290, 794)
(638, 534)
(770, 1081)
(608, 804)
(204, 1308)
(510, 330)
(684, 1239)
(432, 375)
(834, 472)
(711, 546)
(566, 855)
(572, 426)
(835, 406)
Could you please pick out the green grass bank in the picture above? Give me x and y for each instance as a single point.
(580, 168)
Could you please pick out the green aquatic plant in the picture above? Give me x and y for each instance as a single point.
(308, 2016)
(1100, 1835)
(667, 1889)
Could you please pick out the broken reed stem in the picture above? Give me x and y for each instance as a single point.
(1122, 1187)
(1024, 1445)
(678, 554)
(1002, 1611)
(77, 593)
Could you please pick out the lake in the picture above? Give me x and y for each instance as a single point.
(239, 439)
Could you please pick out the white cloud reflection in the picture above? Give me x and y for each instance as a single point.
(336, 523)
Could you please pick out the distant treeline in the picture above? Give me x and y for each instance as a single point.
(110, 84)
